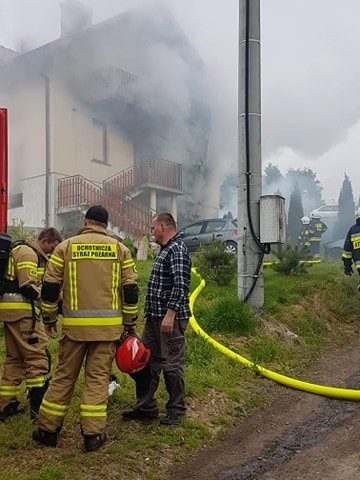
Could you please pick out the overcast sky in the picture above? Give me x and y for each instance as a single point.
(310, 73)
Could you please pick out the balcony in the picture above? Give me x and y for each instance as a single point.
(148, 172)
(114, 83)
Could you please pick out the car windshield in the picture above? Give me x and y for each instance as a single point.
(215, 225)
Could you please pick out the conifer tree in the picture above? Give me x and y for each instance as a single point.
(346, 213)
(296, 212)
(272, 178)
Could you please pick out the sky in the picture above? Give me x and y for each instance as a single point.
(310, 74)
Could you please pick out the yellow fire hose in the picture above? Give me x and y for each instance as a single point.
(343, 393)
(305, 262)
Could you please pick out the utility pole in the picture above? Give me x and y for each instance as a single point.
(250, 252)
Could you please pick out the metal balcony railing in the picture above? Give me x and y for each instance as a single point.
(159, 172)
(128, 216)
(76, 191)
(114, 83)
(148, 170)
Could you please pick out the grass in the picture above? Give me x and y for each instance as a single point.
(302, 317)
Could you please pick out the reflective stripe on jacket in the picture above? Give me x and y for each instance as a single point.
(26, 266)
(92, 269)
(351, 252)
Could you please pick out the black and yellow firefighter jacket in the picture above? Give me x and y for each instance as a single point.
(23, 276)
(99, 284)
(351, 252)
(304, 236)
(317, 228)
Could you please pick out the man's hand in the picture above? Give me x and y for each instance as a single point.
(128, 330)
(348, 270)
(167, 324)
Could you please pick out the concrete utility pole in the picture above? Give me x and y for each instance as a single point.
(249, 155)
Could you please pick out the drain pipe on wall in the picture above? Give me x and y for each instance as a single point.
(47, 150)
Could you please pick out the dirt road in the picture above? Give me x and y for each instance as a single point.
(299, 436)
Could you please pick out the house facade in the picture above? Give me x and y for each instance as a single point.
(112, 113)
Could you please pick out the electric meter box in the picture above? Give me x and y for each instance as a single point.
(272, 219)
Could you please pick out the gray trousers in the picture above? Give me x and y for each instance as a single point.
(167, 356)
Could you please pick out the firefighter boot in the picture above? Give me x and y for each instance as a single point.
(49, 439)
(93, 442)
(14, 408)
(36, 395)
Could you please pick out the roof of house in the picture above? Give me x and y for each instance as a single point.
(7, 54)
(148, 23)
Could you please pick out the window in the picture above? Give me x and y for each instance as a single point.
(215, 226)
(193, 229)
(99, 141)
(16, 200)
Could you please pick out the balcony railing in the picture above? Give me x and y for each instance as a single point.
(159, 172)
(114, 83)
(77, 191)
(127, 216)
(148, 170)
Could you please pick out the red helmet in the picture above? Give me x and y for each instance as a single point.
(131, 354)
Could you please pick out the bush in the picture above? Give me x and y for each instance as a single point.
(214, 264)
(226, 314)
(18, 231)
(289, 259)
(127, 241)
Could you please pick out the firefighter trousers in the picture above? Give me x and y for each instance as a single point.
(97, 358)
(167, 356)
(27, 358)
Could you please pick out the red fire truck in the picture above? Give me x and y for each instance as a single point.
(3, 169)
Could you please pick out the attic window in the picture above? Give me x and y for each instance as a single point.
(16, 200)
(99, 142)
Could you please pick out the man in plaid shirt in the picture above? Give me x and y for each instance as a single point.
(167, 314)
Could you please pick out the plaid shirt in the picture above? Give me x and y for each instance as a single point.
(168, 285)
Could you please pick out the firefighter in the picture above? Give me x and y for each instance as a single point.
(27, 357)
(351, 252)
(305, 233)
(100, 293)
(317, 228)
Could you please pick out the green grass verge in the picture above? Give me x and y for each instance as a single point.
(302, 316)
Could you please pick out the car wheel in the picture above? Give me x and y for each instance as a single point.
(231, 247)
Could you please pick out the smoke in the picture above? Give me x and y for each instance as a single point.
(309, 98)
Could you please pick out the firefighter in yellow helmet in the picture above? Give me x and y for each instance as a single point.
(100, 293)
(27, 358)
(305, 233)
(318, 228)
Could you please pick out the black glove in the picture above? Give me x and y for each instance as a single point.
(128, 330)
(348, 270)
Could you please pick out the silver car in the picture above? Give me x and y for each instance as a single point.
(203, 232)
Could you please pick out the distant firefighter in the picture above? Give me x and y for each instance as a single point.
(317, 228)
(305, 233)
(351, 252)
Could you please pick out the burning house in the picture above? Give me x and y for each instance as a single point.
(111, 113)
